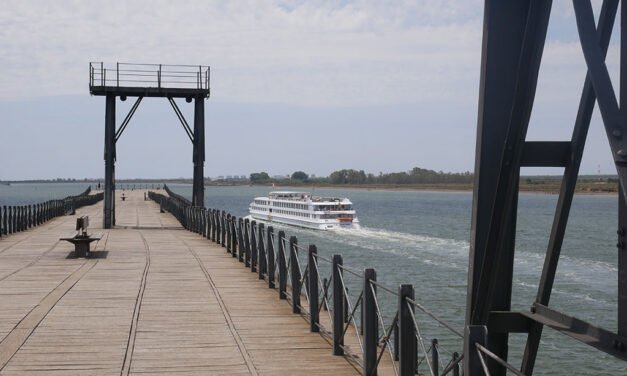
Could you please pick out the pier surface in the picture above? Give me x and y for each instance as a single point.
(153, 298)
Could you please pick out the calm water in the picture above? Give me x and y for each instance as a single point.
(26, 193)
(422, 238)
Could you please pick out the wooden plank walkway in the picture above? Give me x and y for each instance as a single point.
(154, 299)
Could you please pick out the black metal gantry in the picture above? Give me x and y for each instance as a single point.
(150, 80)
(513, 43)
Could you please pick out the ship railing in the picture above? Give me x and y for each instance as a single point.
(375, 326)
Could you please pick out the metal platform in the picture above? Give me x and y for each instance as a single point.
(149, 80)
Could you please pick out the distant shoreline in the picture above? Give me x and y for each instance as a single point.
(548, 186)
(602, 188)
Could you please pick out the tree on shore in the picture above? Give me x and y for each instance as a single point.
(300, 175)
(416, 175)
(259, 176)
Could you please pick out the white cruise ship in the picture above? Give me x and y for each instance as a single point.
(305, 210)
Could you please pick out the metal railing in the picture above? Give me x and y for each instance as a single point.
(23, 217)
(355, 323)
(149, 75)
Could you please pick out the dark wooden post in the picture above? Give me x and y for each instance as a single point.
(271, 262)
(435, 357)
(216, 215)
(338, 306)
(371, 327)
(314, 319)
(282, 266)
(204, 222)
(13, 219)
(246, 243)
(228, 233)
(407, 333)
(208, 224)
(261, 251)
(21, 218)
(253, 246)
(212, 225)
(240, 240)
(233, 237)
(295, 274)
(474, 334)
(223, 227)
(456, 366)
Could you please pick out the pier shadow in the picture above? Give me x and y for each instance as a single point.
(92, 255)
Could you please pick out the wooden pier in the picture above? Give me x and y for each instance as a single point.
(152, 298)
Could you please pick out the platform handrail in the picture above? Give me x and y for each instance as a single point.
(149, 75)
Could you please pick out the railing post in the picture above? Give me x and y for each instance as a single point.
(240, 240)
(407, 333)
(253, 246)
(338, 306)
(314, 319)
(208, 224)
(223, 227)
(474, 334)
(395, 333)
(282, 266)
(435, 357)
(371, 327)
(233, 237)
(456, 366)
(271, 258)
(246, 243)
(261, 251)
(295, 274)
(228, 233)
(14, 218)
(203, 222)
(214, 225)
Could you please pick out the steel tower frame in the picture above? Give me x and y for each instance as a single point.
(514, 34)
(150, 80)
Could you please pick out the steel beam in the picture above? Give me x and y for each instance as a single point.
(622, 264)
(198, 195)
(109, 156)
(622, 223)
(594, 336)
(513, 40)
(127, 119)
(179, 114)
(567, 189)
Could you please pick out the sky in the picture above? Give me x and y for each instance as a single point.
(295, 85)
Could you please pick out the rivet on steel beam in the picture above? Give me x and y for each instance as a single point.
(122, 98)
(621, 153)
(188, 99)
(617, 133)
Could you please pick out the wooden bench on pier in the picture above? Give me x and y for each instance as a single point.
(82, 239)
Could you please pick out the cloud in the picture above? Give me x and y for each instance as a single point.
(312, 53)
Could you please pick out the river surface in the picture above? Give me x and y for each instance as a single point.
(422, 238)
